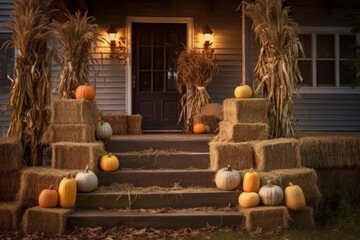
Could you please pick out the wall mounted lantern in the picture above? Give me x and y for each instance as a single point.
(117, 45)
(207, 36)
(112, 34)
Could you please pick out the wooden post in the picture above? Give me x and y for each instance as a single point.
(247, 71)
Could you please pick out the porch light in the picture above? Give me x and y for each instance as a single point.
(207, 36)
(112, 34)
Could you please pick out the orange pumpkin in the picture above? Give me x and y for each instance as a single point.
(199, 128)
(48, 198)
(85, 92)
(109, 163)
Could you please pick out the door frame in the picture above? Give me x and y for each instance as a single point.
(129, 20)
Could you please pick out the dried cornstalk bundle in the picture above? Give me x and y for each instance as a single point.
(77, 36)
(30, 84)
(195, 70)
(277, 70)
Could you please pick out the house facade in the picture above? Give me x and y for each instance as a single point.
(156, 31)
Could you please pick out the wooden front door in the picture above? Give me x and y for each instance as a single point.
(155, 49)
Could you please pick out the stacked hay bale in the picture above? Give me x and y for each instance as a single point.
(11, 153)
(72, 135)
(123, 124)
(210, 115)
(243, 143)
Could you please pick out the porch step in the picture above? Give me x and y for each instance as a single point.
(160, 177)
(154, 159)
(179, 142)
(165, 198)
(156, 218)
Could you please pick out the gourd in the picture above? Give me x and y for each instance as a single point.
(249, 199)
(199, 128)
(243, 91)
(271, 195)
(227, 179)
(67, 192)
(49, 198)
(85, 92)
(103, 131)
(251, 182)
(109, 163)
(294, 197)
(86, 181)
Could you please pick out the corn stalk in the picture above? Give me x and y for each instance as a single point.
(276, 71)
(195, 71)
(77, 37)
(30, 83)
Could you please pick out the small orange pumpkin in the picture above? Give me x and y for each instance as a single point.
(85, 92)
(109, 163)
(49, 198)
(199, 128)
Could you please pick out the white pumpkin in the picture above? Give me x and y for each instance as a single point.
(271, 195)
(103, 131)
(86, 181)
(227, 179)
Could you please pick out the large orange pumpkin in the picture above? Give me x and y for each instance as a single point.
(85, 92)
(49, 198)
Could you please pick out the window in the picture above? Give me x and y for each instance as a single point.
(325, 62)
(7, 60)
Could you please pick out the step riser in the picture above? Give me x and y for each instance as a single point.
(166, 161)
(141, 145)
(157, 221)
(161, 179)
(156, 200)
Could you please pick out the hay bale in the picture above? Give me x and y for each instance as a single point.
(208, 120)
(35, 179)
(330, 151)
(73, 111)
(11, 154)
(265, 218)
(71, 133)
(118, 123)
(9, 185)
(46, 220)
(335, 181)
(238, 155)
(277, 154)
(242, 132)
(306, 178)
(68, 155)
(264, 176)
(213, 109)
(303, 219)
(249, 110)
(10, 215)
(134, 123)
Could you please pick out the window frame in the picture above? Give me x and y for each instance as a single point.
(336, 32)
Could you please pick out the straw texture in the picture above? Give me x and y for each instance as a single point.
(249, 110)
(242, 132)
(10, 215)
(11, 154)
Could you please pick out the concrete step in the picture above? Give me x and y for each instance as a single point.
(156, 218)
(179, 142)
(160, 177)
(156, 159)
(164, 198)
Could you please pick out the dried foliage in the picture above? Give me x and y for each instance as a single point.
(77, 37)
(195, 70)
(30, 84)
(277, 70)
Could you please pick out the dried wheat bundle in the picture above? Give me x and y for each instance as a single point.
(277, 68)
(195, 70)
(30, 84)
(77, 37)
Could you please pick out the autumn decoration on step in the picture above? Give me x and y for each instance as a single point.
(227, 179)
(109, 163)
(195, 70)
(251, 182)
(271, 195)
(294, 197)
(200, 128)
(249, 199)
(243, 91)
(67, 192)
(87, 181)
(86, 92)
(49, 198)
(103, 131)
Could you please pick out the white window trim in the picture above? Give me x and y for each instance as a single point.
(337, 89)
(129, 20)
